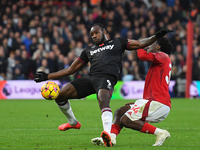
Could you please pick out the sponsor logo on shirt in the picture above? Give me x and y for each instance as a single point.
(110, 47)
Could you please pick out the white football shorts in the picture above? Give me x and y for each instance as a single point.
(148, 111)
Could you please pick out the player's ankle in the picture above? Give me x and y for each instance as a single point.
(158, 131)
(113, 136)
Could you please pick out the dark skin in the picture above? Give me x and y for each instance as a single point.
(98, 36)
(122, 120)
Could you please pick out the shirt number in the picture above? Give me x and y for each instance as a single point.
(167, 78)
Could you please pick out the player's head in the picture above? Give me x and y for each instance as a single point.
(98, 33)
(163, 44)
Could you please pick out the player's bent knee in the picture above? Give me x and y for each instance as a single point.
(122, 110)
(67, 92)
(60, 98)
(125, 121)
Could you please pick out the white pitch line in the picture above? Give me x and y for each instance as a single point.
(97, 129)
(188, 128)
(52, 129)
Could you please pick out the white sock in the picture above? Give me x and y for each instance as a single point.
(107, 117)
(158, 131)
(67, 111)
(113, 136)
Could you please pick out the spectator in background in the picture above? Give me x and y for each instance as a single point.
(136, 71)
(196, 69)
(196, 53)
(1, 36)
(65, 64)
(22, 47)
(39, 35)
(5, 46)
(78, 48)
(18, 41)
(11, 64)
(33, 46)
(19, 27)
(39, 53)
(174, 71)
(17, 54)
(55, 37)
(52, 62)
(17, 36)
(3, 64)
(27, 65)
(27, 41)
(12, 43)
(32, 28)
(60, 61)
(126, 27)
(179, 87)
(71, 56)
(44, 66)
(63, 46)
(127, 72)
(18, 74)
(47, 44)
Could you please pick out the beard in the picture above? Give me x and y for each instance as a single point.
(103, 39)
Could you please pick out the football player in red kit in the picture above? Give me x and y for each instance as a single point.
(155, 105)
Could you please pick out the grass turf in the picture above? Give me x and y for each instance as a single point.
(33, 124)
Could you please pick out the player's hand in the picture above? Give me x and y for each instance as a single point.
(162, 33)
(40, 76)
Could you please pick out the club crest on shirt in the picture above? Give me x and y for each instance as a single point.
(110, 47)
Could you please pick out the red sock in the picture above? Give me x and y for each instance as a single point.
(147, 128)
(115, 129)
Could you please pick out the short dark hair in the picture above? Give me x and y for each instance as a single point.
(100, 25)
(166, 45)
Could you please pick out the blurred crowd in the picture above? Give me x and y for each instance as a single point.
(48, 35)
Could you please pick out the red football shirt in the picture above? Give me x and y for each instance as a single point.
(158, 77)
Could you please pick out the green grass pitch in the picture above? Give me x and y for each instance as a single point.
(33, 125)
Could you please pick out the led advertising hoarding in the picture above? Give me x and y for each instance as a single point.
(27, 89)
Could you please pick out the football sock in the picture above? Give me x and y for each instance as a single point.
(158, 131)
(147, 128)
(115, 129)
(67, 111)
(107, 117)
(113, 136)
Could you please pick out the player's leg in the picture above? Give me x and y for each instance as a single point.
(141, 126)
(135, 119)
(104, 86)
(157, 116)
(79, 88)
(104, 97)
(116, 126)
(68, 91)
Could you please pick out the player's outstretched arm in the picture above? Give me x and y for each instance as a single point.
(136, 44)
(42, 76)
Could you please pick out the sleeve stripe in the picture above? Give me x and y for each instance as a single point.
(81, 60)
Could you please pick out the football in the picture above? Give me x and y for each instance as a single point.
(50, 90)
